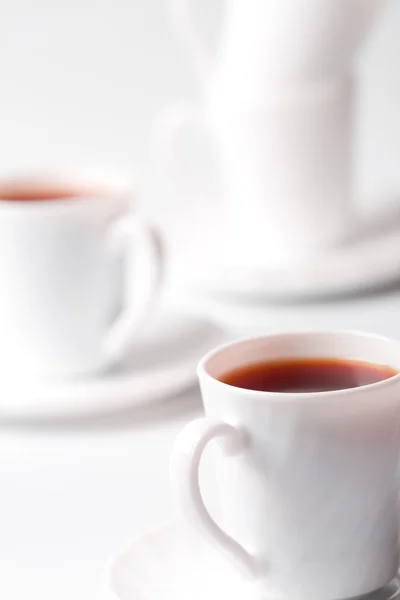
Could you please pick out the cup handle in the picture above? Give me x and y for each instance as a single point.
(142, 248)
(164, 131)
(185, 462)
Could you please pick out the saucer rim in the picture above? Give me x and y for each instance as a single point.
(370, 264)
(83, 398)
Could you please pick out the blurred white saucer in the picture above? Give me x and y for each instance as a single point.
(161, 365)
(368, 259)
(173, 563)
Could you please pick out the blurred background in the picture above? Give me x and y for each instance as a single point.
(83, 81)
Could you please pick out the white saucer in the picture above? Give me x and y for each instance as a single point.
(161, 365)
(173, 563)
(369, 259)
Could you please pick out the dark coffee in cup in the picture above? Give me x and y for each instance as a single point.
(307, 375)
(37, 193)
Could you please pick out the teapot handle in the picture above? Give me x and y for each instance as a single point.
(187, 31)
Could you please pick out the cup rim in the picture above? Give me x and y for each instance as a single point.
(280, 397)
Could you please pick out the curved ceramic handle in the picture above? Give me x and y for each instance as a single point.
(185, 462)
(142, 249)
(165, 130)
(187, 30)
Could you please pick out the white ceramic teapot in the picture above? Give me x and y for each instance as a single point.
(265, 42)
(278, 106)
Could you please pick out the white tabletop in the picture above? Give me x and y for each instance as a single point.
(72, 496)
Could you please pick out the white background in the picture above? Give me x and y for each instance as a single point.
(81, 82)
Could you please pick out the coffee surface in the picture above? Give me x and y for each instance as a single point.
(38, 194)
(301, 375)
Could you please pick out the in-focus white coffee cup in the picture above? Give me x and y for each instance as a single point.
(306, 481)
(79, 272)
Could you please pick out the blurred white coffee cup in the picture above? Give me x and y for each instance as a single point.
(79, 272)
